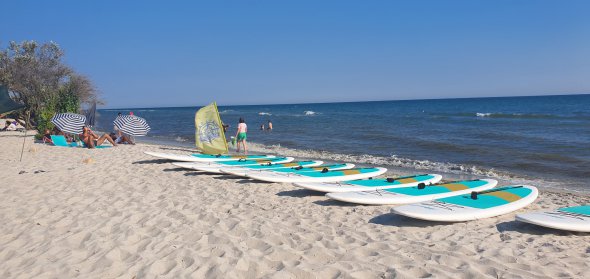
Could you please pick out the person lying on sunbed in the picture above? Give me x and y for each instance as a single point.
(92, 140)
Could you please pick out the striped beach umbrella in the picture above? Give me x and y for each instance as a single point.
(69, 122)
(132, 125)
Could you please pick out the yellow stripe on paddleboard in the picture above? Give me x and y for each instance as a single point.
(455, 186)
(507, 196)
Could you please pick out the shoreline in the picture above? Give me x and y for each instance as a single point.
(376, 161)
(117, 212)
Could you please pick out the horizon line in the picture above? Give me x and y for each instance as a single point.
(359, 101)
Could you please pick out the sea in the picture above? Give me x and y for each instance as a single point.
(544, 140)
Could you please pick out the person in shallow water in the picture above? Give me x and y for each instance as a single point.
(241, 135)
(269, 125)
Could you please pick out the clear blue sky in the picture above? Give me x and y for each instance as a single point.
(172, 53)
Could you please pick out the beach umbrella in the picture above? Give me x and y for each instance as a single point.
(6, 103)
(132, 125)
(91, 115)
(69, 122)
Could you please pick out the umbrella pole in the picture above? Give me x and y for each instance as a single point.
(23, 149)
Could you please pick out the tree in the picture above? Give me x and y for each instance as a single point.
(38, 78)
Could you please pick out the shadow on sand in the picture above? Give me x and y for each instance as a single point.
(154, 161)
(522, 227)
(299, 193)
(174, 169)
(331, 202)
(392, 219)
(195, 173)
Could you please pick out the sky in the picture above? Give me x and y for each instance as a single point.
(189, 53)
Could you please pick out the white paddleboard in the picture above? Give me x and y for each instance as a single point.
(204, 157)
(576, 218)
(414, 194)
(318, 176)
(288, 171)
(465, 208)
(370, 184)
(214, 167)
(243, 170)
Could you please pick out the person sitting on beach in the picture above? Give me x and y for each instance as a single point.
(92, 140)
(47, 136)
(120, 138)
(9, 126)
(241, 135)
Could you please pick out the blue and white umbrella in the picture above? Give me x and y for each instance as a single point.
(132, 125)
(69, 122)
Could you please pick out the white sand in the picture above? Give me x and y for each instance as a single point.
(127, 215)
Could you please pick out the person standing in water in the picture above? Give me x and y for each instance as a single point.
(269, 126)
(241, 135)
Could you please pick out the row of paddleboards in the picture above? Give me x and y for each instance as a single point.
(420, 196)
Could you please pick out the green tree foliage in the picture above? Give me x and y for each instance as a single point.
(38, 78)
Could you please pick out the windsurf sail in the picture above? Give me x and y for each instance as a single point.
(209, 135)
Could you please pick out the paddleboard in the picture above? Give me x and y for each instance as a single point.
(242, 170)
(414, 194)
(289, 171)
(204, 157)
(317, 175)
(576, 218)
(477, 205)
(371, 184)
(215, 166)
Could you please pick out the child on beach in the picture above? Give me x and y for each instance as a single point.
(241, 135)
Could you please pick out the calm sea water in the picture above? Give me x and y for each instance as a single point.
(545, 137)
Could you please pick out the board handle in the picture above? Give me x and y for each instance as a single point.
(474, 194)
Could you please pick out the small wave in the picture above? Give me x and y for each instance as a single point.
(180, 139)
(226, 111)
(518, 115)
(309, 112)
(264, 113)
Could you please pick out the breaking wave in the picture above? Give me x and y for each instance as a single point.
(264, 113)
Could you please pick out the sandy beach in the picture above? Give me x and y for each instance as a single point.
(118, 213)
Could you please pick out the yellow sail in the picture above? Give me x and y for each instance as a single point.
(209, 135)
